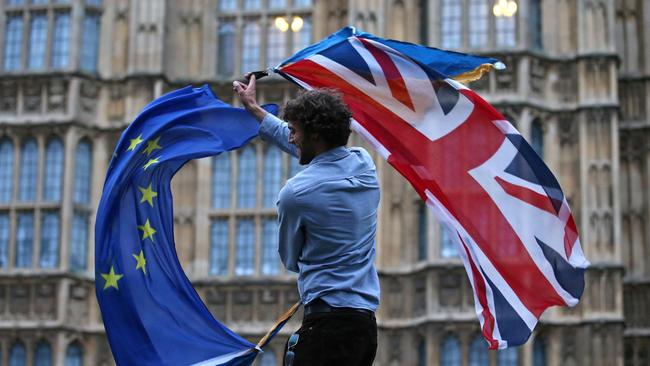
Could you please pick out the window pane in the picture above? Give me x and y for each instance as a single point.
(447, 246)
(507, 357)
(252, 4)
(61, 41)
(539, 352)
(43, 354)
(270, 262)
(13, 42)
(250, 47)
(302, 3)
(6, 170)
(272, 175)
(15, 2)
(53, 170)
(228, 5)
(28, 171)
(24, 240)
(450, 355)
(505, 29)
(422, 352)
(38, 2)
(79, 242)
(422, 231)
(93, 2)
(277, 4)
(268, 358)
(219, 247)
(245, 252)
(90, 43)
(4, 239)
(302, 38)
(451, 23)
(221, 181)
(17, 355)
(50, 240)
(226, 52)
(537, 138)
(478, 354)
(276, 47)
(37, 41)
(74, 355)
(82, 173)
(478, 23)
(247, 182)
(536, 24)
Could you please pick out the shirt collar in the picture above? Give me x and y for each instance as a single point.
(331, 155)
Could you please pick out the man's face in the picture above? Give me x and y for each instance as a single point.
(303, 143)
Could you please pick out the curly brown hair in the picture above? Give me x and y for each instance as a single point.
(321, 111)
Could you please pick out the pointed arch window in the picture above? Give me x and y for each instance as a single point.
(28, 171)
(539, 352)
(17, 354)
(49, 256)
(537, 137)
(270, 265)
(221, 181)
(247, 182)
(508, 357)
(24, 240)
(272, 175)
(37, 41)
(53, 177)
(451, 20)
(74, 355)
(535, 21)
(422, 352)
(6, 170)
(82, 173)
(4, 239)
(478, 354)
(13, 42)
(219, 247)
(79, 241)
(227, 33)
(43, 354)
(478, 23)
(450, 351)
(250, 46)
(245, 251)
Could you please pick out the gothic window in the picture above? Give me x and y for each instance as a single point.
(535, 21)
(302, 3)
(219, 247)
(270, 265)
(506, 31)
(82, 173)
(422, 231)
(74, 355)
(268, 358)
(277, 4)
(422, 352)
(61, 41)
(43, 354)
(478, 23)
(6, 170)
(276, 46)
(92, 2)
(79, 241)
(221, 181)
(37, 41)
(247, 180)
(49, 256)
(53, 177)
(227, 5)
(272, 175)
(539, 352)
(508, 357)
(302, 38)
(447, 246)
(245, 250)
(226, 52)
(537, 138)
(252, 4)
(450, 351)
(13, 42)
(28, 171)
(4, 238)
(250, 46)
(451, 17)
(90, 42)
(17, 354)
(478, 355)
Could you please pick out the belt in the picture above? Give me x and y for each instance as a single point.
(320, 306)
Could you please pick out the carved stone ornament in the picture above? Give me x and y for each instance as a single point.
(56, 95)
(32, 97)
(8, 97)
(507, 79)
(89, 91)
(537, 76)
(567, 129)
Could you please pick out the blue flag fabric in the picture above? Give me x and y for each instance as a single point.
(151, 312)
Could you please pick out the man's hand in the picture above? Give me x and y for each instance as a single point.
(248, 96)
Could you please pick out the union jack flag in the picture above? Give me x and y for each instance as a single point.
(514, 229)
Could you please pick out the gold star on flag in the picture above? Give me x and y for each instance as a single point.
(147, 195)
(150, 163)
(147, 230)
(152, 145)
(141, 262)
(135, 142)
(111, 279)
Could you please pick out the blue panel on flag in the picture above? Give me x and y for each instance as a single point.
(571, 279)
(511, 327)
(345, 54)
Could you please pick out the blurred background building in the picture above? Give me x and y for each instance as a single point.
(74, 73)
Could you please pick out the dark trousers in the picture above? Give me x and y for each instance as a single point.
(341, 338)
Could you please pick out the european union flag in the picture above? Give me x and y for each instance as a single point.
(151, 312)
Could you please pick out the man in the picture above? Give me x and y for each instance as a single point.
(328, 218)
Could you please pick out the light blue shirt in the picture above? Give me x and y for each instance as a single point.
(328, 219)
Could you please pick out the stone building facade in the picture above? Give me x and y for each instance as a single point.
(73, 73)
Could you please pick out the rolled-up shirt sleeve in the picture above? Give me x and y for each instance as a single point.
(276, 131)
(291, 230)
